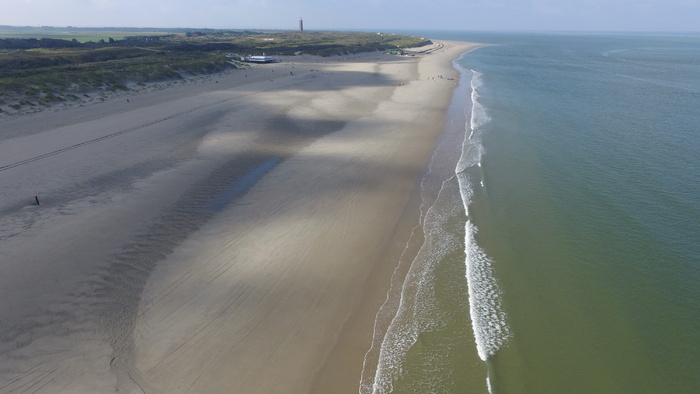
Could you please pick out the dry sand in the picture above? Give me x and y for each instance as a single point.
(233, 235)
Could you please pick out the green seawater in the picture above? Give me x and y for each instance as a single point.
(581, 180)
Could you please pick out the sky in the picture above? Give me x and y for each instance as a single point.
(380, 15)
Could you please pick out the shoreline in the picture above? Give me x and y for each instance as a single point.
(280, 285)
(388, 274)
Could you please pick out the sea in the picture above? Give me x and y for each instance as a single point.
(560, 218)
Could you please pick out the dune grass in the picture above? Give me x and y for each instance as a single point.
(44, 67)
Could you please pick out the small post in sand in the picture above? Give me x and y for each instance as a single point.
(37, 199)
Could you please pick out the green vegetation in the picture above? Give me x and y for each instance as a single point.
(83, 34)
(48, 65)
(326, 43)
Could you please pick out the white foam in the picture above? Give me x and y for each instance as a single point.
(489, 321)
(415, 304)
(472, 149)
(487, 315)
(417, 311)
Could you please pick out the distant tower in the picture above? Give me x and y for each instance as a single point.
(301, 24)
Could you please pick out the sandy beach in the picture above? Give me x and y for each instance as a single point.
(233, 234)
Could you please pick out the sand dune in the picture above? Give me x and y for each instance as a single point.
(219, 236)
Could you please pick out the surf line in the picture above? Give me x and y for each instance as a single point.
(489, 323)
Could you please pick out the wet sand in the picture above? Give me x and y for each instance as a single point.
(237, 234)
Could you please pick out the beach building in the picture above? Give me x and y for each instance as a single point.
(259, 59)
